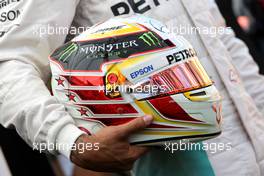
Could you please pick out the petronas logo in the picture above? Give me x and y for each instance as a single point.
(67, 52)
(150, 39)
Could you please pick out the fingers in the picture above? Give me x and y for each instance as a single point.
(135, 125)
(116, 154)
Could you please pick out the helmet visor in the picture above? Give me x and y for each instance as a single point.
(186, 76)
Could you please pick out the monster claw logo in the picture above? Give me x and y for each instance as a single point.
(67, 52)
(150, 39)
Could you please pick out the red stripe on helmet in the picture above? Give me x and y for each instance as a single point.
(171, 110)
(91, 95)
(111, 108)
(85, 80)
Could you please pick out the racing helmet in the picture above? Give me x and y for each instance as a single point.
(127, 67)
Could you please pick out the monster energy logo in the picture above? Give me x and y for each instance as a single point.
(150, 39)
(67, 52)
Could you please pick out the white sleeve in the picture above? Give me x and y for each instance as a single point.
(242, 60)
(25, 101)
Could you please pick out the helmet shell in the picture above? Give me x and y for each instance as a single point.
(106, 75)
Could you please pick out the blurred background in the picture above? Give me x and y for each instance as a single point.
(246, 17)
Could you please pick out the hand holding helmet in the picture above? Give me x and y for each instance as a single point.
(115, 153)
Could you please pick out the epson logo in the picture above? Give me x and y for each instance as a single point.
(181, 55)
(141, 71)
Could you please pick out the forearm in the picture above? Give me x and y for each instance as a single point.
(26, 103)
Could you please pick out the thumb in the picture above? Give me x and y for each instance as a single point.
(135, 125)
